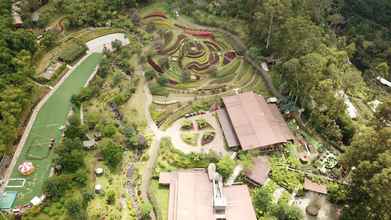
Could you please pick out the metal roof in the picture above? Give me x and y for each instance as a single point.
(256, 123)
(259, 173)
(228, 130)
(191, 198)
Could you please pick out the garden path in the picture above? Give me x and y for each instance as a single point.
(153, 150)
(237, 170)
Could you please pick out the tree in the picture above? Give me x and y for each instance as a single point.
(146, 209)
(112, 153)
(109, 130)
(225, 166)
(301, 36)
(49, 39)
(383, 113)
(263, 201)
(286, 212)
(369, 160)
(110, 197)
(56, 186)
(75, 208)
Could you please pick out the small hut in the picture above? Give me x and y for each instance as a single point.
(26, 168)
(89, 144)
(99, 171)
(98, 188)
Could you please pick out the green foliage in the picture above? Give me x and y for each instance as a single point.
(225, 166)
(146, 209)
(171, 159)
(150, 74)
(109, 130)
(75, 208)
(112, 153)
(368, 160)
(202, 123)
(56, 186)
(49, 39)
(186, 124)
(284, 177)
(337, 193)
(190, 138)
(157, 89)
(110, 197)
(17, 92)
(262, 200)
(162, 80)
(72, 52)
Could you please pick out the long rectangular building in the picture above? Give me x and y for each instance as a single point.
(257, 124)
(192, 198)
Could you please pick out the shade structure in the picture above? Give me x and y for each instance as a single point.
(26, 168)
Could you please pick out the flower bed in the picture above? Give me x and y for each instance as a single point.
(187, 125)
(190, 138)
(202, 123)
(212, 46)
(155, 65)
(208, 137)
(195, 66)
(156, 14)
(229, 56)
(206, 34)
(174, 48)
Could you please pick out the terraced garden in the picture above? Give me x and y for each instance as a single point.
(192, 61)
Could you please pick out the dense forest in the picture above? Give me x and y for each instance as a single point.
(17, 91)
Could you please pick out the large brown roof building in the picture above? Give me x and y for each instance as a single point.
(192, 198)
(256, 124)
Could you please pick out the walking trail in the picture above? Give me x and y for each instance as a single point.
(154, 149)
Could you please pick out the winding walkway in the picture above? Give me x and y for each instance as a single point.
(154, 149)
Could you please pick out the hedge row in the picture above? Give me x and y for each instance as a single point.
(174, 48)
(72, 53)
(213, 59)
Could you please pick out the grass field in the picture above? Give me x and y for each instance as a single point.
(51, 116)
(162, 194)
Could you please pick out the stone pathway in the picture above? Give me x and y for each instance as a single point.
(237, 170)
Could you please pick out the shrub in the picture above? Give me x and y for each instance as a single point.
(202, 123)
(187, 124)
(226, 166)
(112, 153)
(146, 209)
(158, 90)
(110, 197)
(72, 53)
(149, 75)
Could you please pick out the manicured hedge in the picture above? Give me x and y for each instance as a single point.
(72, 53)
(157, 14)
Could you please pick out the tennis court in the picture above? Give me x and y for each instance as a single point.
(46, 126)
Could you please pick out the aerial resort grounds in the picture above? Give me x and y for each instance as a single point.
(155, 112)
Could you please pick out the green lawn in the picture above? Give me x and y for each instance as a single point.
(51, 116)
(162, 195)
